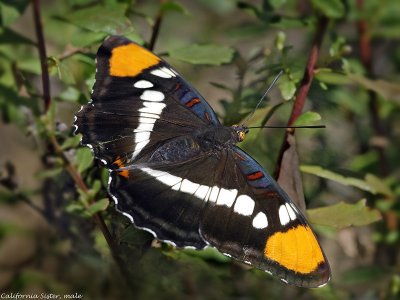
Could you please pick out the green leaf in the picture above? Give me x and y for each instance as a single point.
(98, 206)
(288, 89)
(208, 254)
(70, 94)
(277, 3)
(51, 173)
(71, 142)
(101, 19)
(280, 40)
(379, 185)
(84, 158)
(344, 215)
(307, 118)
(173, 6)
(10, 11)
(204, 54)
(9, 36)
(388, 90)
(75, 207)
(365, 160)
(330, 77)
(330, 8)
(349, 181)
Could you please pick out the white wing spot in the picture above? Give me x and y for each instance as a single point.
(227, 197)
(177, 187)
(168, 71)
(214, 194)
(161, 73)
(244, 205)
(152, 107)
(202, 192)
(189, 187)
(142, 136)
(150, 95)
(291, 212)
(143, 84)
(149, 114)
(283, 215)
(294, 207)
(260, 221)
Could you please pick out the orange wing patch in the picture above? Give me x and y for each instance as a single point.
(131, 60)
(120, 164)
(296, 249)
(255, 176)
(193, 102)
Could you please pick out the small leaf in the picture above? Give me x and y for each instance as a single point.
(71, 142)
(330, 77)
(388, 90)
(75, 207)
(173, 6)
(349, 181)
(344, 215)
(84, 159)
(307, 118)
(331, 8)
(280, 40)
(9, 36)
(49, 173)
(208, 254)
(133, 236)
(101, 19)
(288, 89)
(379, 185)
(8, 14)
(204, 54)
(70, 94)
(98, 206)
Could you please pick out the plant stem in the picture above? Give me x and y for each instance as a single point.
(42, 54)
(365, 48)
(366, 57)
(302, 91)
(52, 140)
(156, 28)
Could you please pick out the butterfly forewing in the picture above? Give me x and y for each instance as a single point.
(174, 175)
(138, 101)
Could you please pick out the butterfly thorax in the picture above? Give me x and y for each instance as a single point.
(218, 137)
(204, 140)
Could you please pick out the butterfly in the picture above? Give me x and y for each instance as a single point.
(175, 170)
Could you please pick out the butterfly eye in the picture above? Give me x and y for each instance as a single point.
(242, 135)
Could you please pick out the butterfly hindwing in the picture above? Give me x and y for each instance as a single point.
(257, 224)
(261, 226)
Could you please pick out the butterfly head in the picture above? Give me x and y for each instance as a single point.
(241, 132)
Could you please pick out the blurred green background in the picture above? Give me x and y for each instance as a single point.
(52, 192)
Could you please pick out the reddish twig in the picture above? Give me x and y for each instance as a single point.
(56, 146)
(301, 94)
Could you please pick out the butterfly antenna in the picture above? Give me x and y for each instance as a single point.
(286, 127)
(263, 97)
